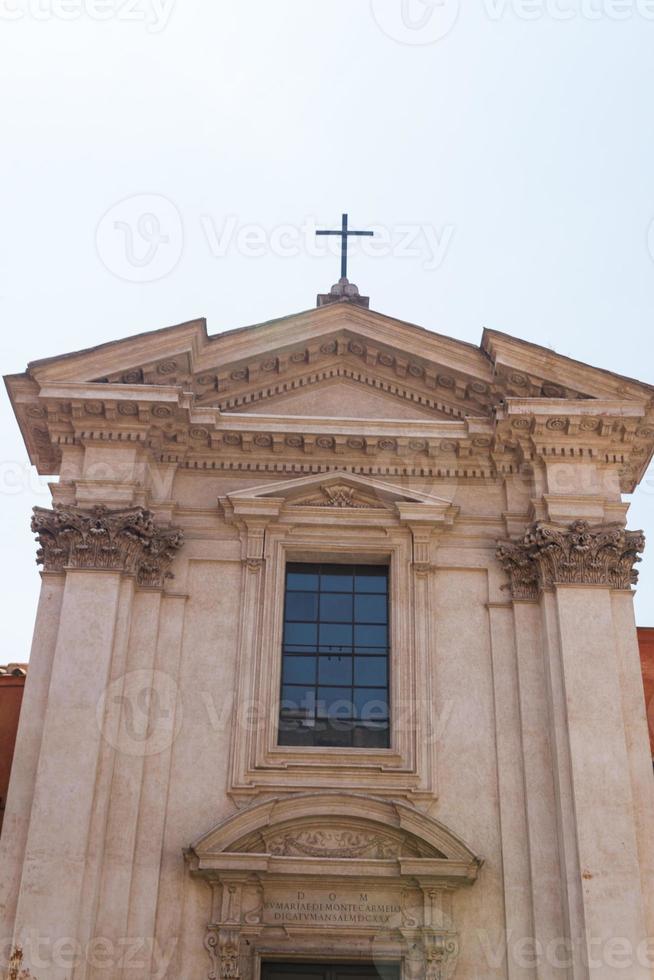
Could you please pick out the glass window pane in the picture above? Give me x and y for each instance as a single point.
(336, 608)
(333, 733)
(371, 579)
(371, 736)
(334, 702)
(297, 701)
(369, 609)
(370, 636)
(371, 670)
(371, 703)
(335, 637)
(302, 577)
(336, 578)
(335, 670)
(302, 606)
(301, 634)
(299, 670)
(335, 699)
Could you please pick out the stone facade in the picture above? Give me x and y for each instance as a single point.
(156, 828)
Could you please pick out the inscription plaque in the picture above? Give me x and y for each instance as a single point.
(339, 907)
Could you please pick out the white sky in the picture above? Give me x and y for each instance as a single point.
(515, 150)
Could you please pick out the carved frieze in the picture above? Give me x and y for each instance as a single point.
(330, 843)
(127, 540)
(576, 554)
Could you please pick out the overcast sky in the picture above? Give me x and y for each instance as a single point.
(503, 151)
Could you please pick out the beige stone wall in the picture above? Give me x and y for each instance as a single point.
(514, 811)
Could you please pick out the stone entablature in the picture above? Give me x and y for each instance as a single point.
(576, 554)
(127, 540)
(296, 874)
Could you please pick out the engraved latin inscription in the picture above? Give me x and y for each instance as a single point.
(360, 908)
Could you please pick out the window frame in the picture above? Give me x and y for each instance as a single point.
(257, 763)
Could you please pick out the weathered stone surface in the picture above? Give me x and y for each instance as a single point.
(126, 540)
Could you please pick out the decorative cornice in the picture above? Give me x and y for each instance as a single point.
(126, 540)
(576, 554)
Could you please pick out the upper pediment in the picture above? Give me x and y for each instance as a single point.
(337, 364)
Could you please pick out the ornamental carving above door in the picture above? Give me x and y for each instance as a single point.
(313, 875)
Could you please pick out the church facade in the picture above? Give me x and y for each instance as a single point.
(335, 670)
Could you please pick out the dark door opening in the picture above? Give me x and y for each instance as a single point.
(329, 971)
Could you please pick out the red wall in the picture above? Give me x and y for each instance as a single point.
(646, 644)
(11, 695)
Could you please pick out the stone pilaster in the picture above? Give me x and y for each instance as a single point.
(103, 554)
(574, 570)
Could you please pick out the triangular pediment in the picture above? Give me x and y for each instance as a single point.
(353, 498)
(336, 362)
(242, 361)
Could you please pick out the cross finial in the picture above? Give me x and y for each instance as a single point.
(344, 234)
(344, 290)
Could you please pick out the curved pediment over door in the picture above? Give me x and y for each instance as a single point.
(293, 875)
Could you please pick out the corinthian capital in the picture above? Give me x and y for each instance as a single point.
(576, 554)
(126, 540)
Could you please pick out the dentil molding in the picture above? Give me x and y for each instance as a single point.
(126, 540)
(571, 554)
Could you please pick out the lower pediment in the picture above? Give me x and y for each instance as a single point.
(334, 834)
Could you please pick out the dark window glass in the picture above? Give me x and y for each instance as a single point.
(335, 656)
(299, 670)
(371, 671)
(371, 608)
(336, 608)
(301, 606)
(299, 634)
(335, 670)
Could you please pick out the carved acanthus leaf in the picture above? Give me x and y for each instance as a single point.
(126, 540)
(575, 554)
(337, 495)
(223, 946)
